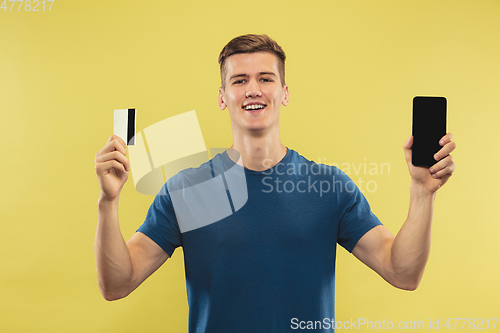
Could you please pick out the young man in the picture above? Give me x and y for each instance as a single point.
(270, 258)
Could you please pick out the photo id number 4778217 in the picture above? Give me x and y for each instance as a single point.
(27, 5)
(471, 323)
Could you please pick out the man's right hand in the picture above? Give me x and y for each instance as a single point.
(112, 167)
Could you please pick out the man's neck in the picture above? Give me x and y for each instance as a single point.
(258, 153)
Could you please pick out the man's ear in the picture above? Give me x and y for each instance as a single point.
(285, 98)
(222, 103)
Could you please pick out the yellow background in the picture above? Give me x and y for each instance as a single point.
(353, 68)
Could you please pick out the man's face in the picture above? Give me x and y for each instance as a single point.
(253, 93)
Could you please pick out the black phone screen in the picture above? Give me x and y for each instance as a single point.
(429, 126)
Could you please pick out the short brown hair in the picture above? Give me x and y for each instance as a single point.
(249, 44)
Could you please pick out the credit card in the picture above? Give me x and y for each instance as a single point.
(124, 125)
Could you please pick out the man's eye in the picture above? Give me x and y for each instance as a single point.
(266, 80)
(238, 82)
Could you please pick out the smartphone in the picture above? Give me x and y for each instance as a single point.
(428, 127)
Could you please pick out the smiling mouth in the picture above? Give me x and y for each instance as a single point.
(253, 107)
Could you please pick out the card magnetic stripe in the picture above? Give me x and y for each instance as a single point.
(131, 127)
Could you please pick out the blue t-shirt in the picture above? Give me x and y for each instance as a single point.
(259, 247)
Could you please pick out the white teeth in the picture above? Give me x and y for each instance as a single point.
(254, 107)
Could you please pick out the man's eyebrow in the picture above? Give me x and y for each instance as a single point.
(267, 73)
(238, 75)
(246, 75)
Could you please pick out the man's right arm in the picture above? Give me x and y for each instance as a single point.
(121, 266)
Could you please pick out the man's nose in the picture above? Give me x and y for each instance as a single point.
(253, 89)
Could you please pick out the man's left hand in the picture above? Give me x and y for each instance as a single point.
(437, 175)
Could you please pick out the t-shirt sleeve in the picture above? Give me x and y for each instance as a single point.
(161, 223)
(355, 215)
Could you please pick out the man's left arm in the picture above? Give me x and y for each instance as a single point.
(401, 260)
